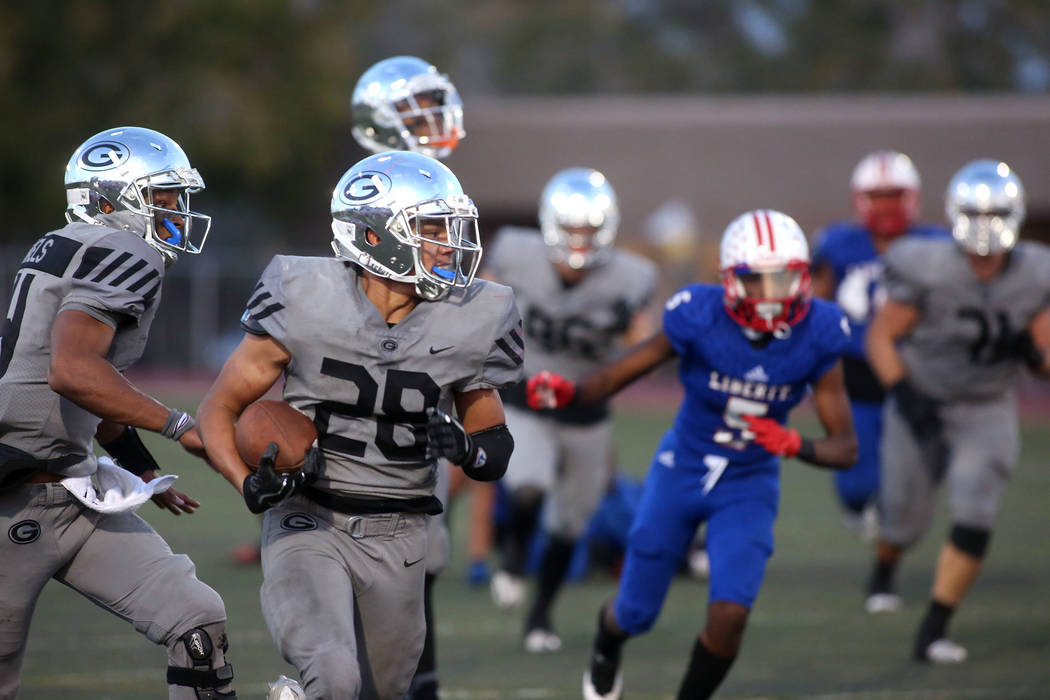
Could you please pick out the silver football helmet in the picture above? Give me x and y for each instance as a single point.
(404, 216)
(403, 103)
(123, 168)
(579, 216)
(985, 205)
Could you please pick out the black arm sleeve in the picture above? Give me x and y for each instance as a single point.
(129, 451)
(494, 446)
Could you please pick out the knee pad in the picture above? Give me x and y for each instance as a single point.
(634, 617)
(972, 540)
(198, 651)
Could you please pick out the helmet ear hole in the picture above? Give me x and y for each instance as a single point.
(105, 207)
(371, 238)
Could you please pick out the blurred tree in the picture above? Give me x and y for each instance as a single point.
(257, 91)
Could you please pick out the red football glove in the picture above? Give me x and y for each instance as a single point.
(771, 435)
(549, 390)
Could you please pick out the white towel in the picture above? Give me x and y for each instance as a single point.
(118, 489)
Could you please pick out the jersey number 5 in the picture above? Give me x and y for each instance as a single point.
(736, 409)
(392, 412)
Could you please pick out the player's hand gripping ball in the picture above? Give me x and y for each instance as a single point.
(269, 421)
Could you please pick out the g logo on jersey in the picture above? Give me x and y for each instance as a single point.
(298, 522)
(24, 532)
(366, 187)
(104, 155)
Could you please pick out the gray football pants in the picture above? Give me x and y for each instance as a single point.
(984, 443)
(117, 561)
(569, 463)
(343, 598)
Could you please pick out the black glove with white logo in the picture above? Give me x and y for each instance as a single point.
(266, 487)
(446, 437)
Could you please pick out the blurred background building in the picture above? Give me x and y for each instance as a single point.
(695, 111)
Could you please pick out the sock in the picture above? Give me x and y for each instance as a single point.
(705, 673)
(882, 577)
(934, 626)
(605, 642)
(425, 681)
(521, 526)
(553, 567)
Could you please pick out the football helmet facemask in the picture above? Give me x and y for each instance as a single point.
(885, 188)
(403, 103)
(764, 265)
(985, 205)
(579, 216)
(123, 168)
(425, 228)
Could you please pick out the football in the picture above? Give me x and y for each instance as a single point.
(269, 421)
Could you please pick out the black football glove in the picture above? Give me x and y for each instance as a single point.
(266, 487)
(446, 437)
(1022, 347)
(923, 415)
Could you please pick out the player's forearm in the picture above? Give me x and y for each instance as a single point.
(837, 452)
(96, 386)
(603, 382)
(884, 359)
(215, 423)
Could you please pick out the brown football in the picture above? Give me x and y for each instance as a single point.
(269, 421)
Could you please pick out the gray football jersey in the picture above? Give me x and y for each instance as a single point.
(105, 271)
(367, 385)
(569, 329)
(960, 349)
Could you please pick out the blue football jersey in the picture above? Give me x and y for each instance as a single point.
(725, 377)
(847, 248)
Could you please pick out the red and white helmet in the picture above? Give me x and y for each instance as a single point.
(764, 263)
(885, 188)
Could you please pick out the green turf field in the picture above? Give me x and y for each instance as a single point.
(809, 636)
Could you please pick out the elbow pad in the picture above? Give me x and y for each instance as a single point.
(493, 447)
(130, 453)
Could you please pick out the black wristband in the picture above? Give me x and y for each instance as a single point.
(806, 450)
(130, 453)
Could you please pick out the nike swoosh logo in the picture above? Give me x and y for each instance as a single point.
(412, 563)
(435, 351)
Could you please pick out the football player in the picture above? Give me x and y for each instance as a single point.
(579, 297)
(847, 269)
(749, 350)
(377, 345)
(84, 299)
(961, 318)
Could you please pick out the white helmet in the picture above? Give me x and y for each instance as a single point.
(764, 264)
(122, 168)
(579, 198)
(891, 176)
(985, 207)
(400, 197)
(404, 104)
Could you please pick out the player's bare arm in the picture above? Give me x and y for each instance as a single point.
(80, 372)
(638, 360)
(248, 373)
(838, 448)
(893, 321)
(1039, 331)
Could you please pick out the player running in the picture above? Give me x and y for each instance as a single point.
(847, 269)
(391, 330)
(960, 320)
(581, 300)
(749, 352)
(84, 300)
